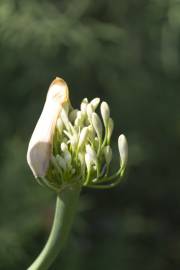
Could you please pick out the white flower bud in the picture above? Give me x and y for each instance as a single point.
(105, 112)
(61, 162)
(89, 112)
(83, 137)
(73, 115)
(79, 122)
(108, 154)
(89, 161)
(95, 103)
(123, 150)
(110, 129)
(67, 158)
(91, 133)
(81, 158)
(96, 121)
(91, 152)
(84, 104)
(96, 143)
(64, 147)
(74, 141)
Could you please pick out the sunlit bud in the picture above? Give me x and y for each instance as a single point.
(78, 122)
(73, 115)
(123, 150)
(40, 145)
(61, 161)
(105, 112)
(108, 154)
(64, 147)
(89, 161)
(96, 143)
(84, 105)
(67, 158)
(96, 121)
(110, 128)
(95, 103)
(83, 137)
(81, 158)
(91, 152)
(89, 112)
(80, 119)
(74, 141)
(91, 133)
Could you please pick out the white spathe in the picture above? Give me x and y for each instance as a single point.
(40, 145)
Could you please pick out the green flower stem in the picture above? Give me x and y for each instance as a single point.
(66, 206)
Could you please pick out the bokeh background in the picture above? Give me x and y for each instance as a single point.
(128, 53)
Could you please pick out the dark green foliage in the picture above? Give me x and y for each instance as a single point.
(127, 53)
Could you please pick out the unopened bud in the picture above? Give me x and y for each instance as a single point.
(83, 137)
(89, 161)
(95, 103)
(105, 112)
(96, 121)
(123, 150)
(89, 112)
(74, 141)
(61, 162)
(110, 129)
(67, 158)
(64, 147)
(84, 104)
(73, 115)
(91, 133)
(108, 154)
(91, 152)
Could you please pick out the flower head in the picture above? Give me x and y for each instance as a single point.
(72, 146)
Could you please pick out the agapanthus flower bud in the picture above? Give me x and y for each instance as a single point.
(40, 145)
(73, 115)
(61, 161)
(108, 154)
(123, 150)
(83, 137)
(105, 112)
(64, 147)
(91, 152)
(96, 121)
(84, 104)
(110, 128)
(67, 158)
(89, 112)
(89, 161)
(94, 103)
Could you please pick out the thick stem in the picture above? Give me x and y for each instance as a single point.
(66, 206)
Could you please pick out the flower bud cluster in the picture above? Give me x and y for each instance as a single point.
(81, 147)
(72, 146)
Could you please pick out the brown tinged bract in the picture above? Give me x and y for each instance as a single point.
(40, 145)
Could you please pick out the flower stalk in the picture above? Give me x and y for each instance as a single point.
(66, 206)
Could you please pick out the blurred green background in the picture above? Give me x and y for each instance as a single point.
(128, 53)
